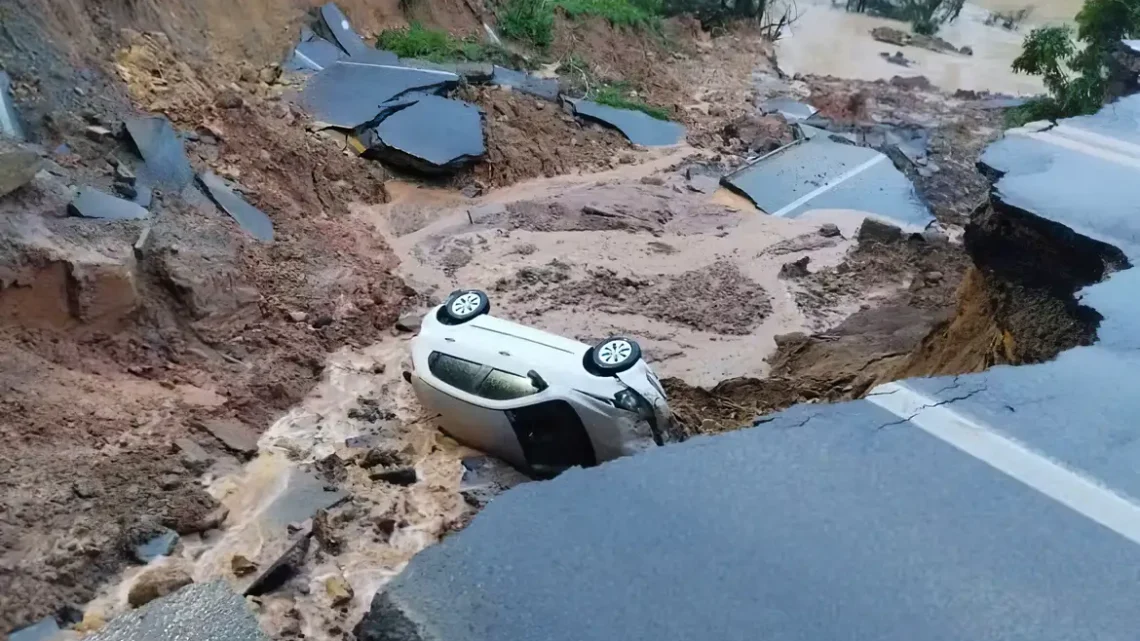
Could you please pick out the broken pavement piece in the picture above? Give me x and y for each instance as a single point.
(199, 612)
(248, 217)
(638, 127)
(546, 88)
(313, 53)
(46, 629)
(235, 435)
(9, 120)
(284, 568)
(432, 135)
(165, 162)
(878, 231)
(92, 203)
(791, 110)
(17, 168)
(160, 545)
(341, 30)
(349, 95)
(821, 174)
(303, 496)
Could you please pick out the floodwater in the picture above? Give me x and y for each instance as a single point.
(826, 40)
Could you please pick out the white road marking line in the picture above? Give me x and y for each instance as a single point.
(1076, 133)
(787, 209)
(1082, 147)
(1073, 489)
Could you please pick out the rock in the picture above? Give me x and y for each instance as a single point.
(829, 230)
(409, 322)
(323, 321)
(332, 468)
(326, 537)
(891, 36)
(97, 133)
(878, 231)
(242, 566)
(211, 521)
(657, 181)
(127, 191)
(921, 83)
(383, 457)
(283, 569)
(966, 51)
(298, 317)
(795, 269)
(398, 476)
(124, 174)
(270, 73)
(234, 434)
(17, 168)
(935, 236)
(157, 582)
(85, 489)
(192, 456)
(160, 545)
(339, 591)
(932, 277)
(69, 616)
(229, 99)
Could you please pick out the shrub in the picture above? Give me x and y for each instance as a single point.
(417, 41)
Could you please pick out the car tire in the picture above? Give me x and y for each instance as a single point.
(465, 304)
(614, 355)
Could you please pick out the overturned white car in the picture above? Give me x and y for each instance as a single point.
(541, 402)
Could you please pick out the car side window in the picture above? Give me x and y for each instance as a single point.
(503, 386)
(457, 372)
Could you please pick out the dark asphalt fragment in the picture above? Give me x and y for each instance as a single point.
(284, 568)
(638, 127)
(432, 135)
(248, 217)
(166, 165)
(199, 612)
(92, 203)
(348, 94)
(46, 629)
(160, 545)
(313, 53)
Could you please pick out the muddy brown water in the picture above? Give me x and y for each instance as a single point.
(826, 40)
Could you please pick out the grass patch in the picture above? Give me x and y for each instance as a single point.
(532, 21)
(418, 41)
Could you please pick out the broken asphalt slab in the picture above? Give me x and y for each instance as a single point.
(9, 120)
(313, 53)
(198, 612)
(995, 506)
(427, 133)
(639, 128)
(822, 174)
(348, 95)
(92, 203)
(250, 218)
(165, 163)
(46, 629)
(791, 110)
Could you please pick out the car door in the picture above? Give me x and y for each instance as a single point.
(552, 437)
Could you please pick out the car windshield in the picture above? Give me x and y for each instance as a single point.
(481, 380)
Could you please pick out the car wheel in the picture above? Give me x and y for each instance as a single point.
(615, 355)
(464, 305)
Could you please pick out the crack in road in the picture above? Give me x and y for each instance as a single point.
(923, 408)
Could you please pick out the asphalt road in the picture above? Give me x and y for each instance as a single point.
(996, 506)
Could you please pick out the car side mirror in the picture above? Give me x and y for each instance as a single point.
(536, 380)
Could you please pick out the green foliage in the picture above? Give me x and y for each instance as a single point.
(417, 41)
(630, 13)
(618, 95)
(1075, 72)
(530, 21)
(924, 26)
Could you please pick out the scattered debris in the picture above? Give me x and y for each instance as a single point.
(878, 231)
(164, 155)
(382, 457)
(248, 217)
(159, 545)
(899, 38)
(235, 435)
(323, 532)
(409, 322)
(17, 168)
(427, 133)
(897, 59)
(795, 269)
(199, 612)
(157, 582)
(830, 230)
(313, 53)
(192, 455)
(338, 26)
(92, 203)
(639, 128)
(398, 476)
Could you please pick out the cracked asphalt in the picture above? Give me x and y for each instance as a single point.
(999, 506)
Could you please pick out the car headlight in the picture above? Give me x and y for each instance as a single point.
(631, 401)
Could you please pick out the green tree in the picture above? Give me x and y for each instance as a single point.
(1075, 72)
